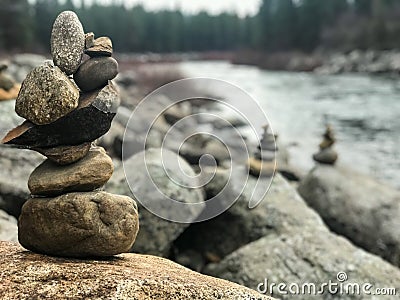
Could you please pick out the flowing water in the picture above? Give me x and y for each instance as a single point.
(364, 111)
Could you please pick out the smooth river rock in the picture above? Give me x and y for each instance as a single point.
(67, 42)
(46, 95)
(89, 121)
(27, 275)
(95, 73)
(89, 173)
(327, 156)
(65, 155)
(79, 224)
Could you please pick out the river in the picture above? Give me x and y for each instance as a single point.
(364, 111)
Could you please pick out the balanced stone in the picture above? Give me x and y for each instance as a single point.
(326, 156)
(95, 73)
(64, 155)
(89, 173)
(46, 95)
(102, 46)
(79, 224)
(88, 122)
(67, 42)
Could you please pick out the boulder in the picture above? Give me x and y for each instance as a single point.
(88, 174)
(302, 255)
(356, 206)
(156, 232)
(79, 224)
(8, 227)
(281, 209)
(128, 276)
(16, 166)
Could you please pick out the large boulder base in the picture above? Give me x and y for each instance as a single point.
(79, 224)
(365, 211)
(25, 275)
(303, 256)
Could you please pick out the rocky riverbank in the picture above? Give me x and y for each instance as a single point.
(356, 61)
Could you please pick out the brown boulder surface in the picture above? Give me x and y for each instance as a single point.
(26, 275)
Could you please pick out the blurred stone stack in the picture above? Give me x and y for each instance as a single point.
(327, 155)
(8, 87)
(68, 215)
(263, 162)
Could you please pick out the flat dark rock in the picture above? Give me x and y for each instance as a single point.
(88, 122)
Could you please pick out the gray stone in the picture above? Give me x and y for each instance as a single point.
(102, 46)
(6, 82)
(79, 224)
(157, 234)
(354, 205)
(8, 227)
(306, 256)
(46, 95)
(87, 174)
(16, 166)
(95, 73)
(67, 42)
(281, 209)
(65, 155)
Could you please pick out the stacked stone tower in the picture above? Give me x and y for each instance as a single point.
(327, 155)
(68, 214)
(263, 162)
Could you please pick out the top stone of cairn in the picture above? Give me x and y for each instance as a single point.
(67, 42)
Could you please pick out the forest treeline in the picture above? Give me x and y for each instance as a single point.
(280, 25)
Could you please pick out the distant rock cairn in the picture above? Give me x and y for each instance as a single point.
(67, 214)
(327, 155)
(263, 162)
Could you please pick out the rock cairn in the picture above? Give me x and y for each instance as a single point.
(67, 214)
(8, 87)
(263, 162)
(327, 155)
